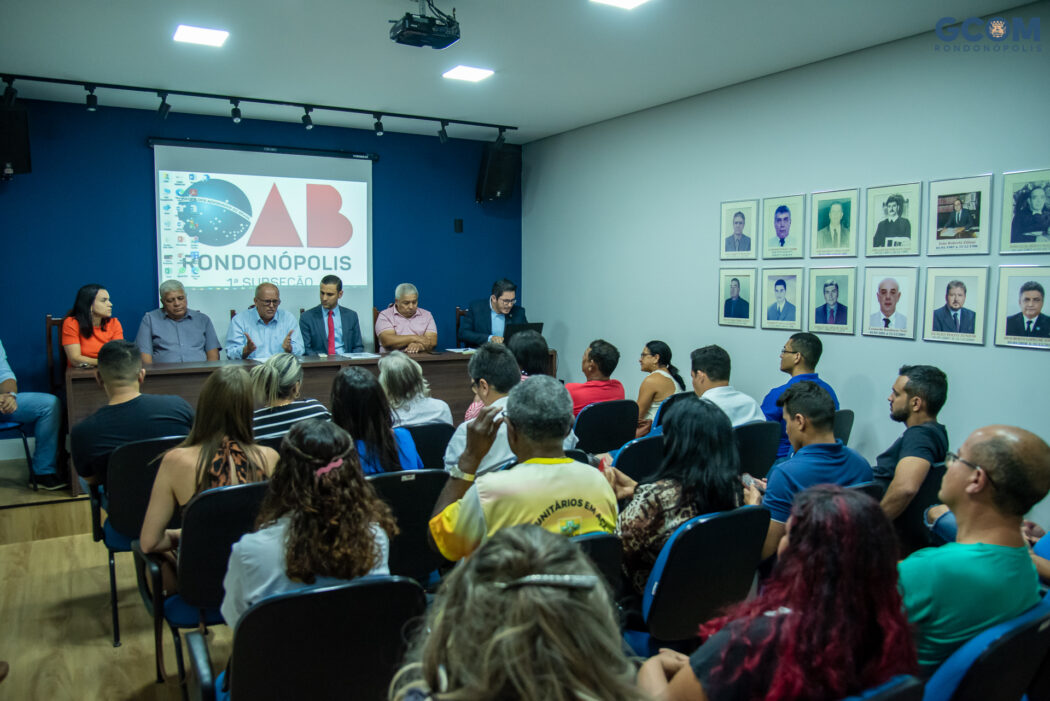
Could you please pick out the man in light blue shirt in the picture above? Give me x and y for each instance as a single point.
(265, 330)
(42, 412)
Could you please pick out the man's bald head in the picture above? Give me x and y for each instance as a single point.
(267, 299)
(1018, 462)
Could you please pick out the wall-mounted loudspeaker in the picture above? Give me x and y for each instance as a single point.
(499, 171)
(14, 141)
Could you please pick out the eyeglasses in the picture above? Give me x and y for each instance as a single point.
(646, 354)
(785, 349)
(950, 458)
(267, 302)
(507, 301)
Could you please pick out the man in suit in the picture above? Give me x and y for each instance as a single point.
(894, 226)
(834, 235)
(953, 317)
(781, 309)
(889, 293)
(959, 218)
(831, 312)
(328, 328)
(486, 320)
(737, 241)
(1030, 321)
(736, 307)
(781, 226)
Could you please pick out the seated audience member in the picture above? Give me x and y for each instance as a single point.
(128, 416)
(710, 373)
(986, 576)
(493, 374)
(798, 359)
(404, 325)
(827, 624)
(917, 395)
(527, 617)
(408, 392)
(89, 325)
(486, 320)
(219, 451)
(360, 407)
(533, 356)
(700, 474)
(658, 385)
(599, 362)
(819, 457)
(321, 523)
(277, 383)
(42, 413)
(544, 488)
(263, 330)
(330, 328)
(175, 333)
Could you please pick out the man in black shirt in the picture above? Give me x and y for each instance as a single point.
(129, 416)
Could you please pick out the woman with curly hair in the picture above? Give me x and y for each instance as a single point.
(89, 325)
(320, 523)
(525, 617)
(828, 624)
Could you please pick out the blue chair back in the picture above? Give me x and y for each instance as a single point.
(902, 687)
(606, 552)
(431, 441)
(641, 458)
(605, 426)
(411, 495)
(130, 473)
(843, 425)
(872, 489)
(757, 444)
(666, 405)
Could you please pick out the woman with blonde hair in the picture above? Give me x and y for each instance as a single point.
(525, 617)
(277, 384)
(408, 392)
(219, 451)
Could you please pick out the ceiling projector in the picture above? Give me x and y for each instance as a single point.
(437, 32)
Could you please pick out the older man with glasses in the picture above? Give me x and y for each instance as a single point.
(264, 330)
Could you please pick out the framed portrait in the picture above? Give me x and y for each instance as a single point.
(956, 300)
(831, 292)
(959, 216)
(784, 224)
(833, 223)
(1026, 212)
(889, 302)
(739, 232)
(1021, 319)
(782, 298)
(736, 297)
(893, 220)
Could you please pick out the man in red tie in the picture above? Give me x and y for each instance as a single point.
(329, 329)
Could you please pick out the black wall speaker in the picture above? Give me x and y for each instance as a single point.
(499, 171)
(14, 141)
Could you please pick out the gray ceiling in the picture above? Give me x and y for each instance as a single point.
(560, 64)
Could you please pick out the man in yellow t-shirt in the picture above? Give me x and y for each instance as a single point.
(544, 487)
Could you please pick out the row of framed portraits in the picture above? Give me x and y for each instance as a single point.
(958, 218)
(954, 309)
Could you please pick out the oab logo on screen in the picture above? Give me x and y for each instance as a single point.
(220, 213)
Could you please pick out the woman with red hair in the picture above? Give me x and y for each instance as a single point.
(829, 622)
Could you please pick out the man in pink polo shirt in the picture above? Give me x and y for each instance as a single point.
(404, 326)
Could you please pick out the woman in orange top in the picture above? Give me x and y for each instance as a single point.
(89, 325)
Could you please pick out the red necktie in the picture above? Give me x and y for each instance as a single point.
(331, 332)
(831, 317)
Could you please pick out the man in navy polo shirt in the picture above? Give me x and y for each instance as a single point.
(799, 359)
(809, 416)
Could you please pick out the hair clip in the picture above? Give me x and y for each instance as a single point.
(565, 581)
(329, 467)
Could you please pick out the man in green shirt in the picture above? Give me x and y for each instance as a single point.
(954, 592)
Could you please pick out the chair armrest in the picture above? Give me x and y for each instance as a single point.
(150, 581)
(97, 533)
(201, 685)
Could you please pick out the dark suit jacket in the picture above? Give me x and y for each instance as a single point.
(476, 326)
(314, 327)
(942, 320)
(841, 314)
(965, 215)
(1015, 326)
(741, 310)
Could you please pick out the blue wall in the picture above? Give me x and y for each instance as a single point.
(86, 214)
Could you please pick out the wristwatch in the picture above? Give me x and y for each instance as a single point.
(460, 474)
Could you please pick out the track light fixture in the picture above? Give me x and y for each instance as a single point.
(9, 92)
(442, 134)
(91, 101)
(164, 107)
(235, 112)
(307, 122)
(378, 126)
(501, 138)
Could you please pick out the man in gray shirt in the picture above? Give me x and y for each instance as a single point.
(175, 333)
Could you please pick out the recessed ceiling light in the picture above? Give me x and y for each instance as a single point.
(625, 4)
(467, 73)
(200, 35)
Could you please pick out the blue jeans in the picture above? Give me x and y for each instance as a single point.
(44, 413)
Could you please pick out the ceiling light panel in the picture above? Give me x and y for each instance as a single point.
(467, 73)
(200, 35)
(625, 4)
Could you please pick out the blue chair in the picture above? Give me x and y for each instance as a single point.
(872, 489)
(17, 427)
(902, 687)
(666, 405)
(999, 663)
(843, 425)
(641, 457)
(411, 495)
(431, 441)
(757, 443)
(606, 553)
(708, 563)
(605, 426)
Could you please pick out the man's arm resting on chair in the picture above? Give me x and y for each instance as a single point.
(907, 479)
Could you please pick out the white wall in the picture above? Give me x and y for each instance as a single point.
(620, 235)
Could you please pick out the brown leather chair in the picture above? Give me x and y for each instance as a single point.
(460, 313)
(56, 368)
(375, 336)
